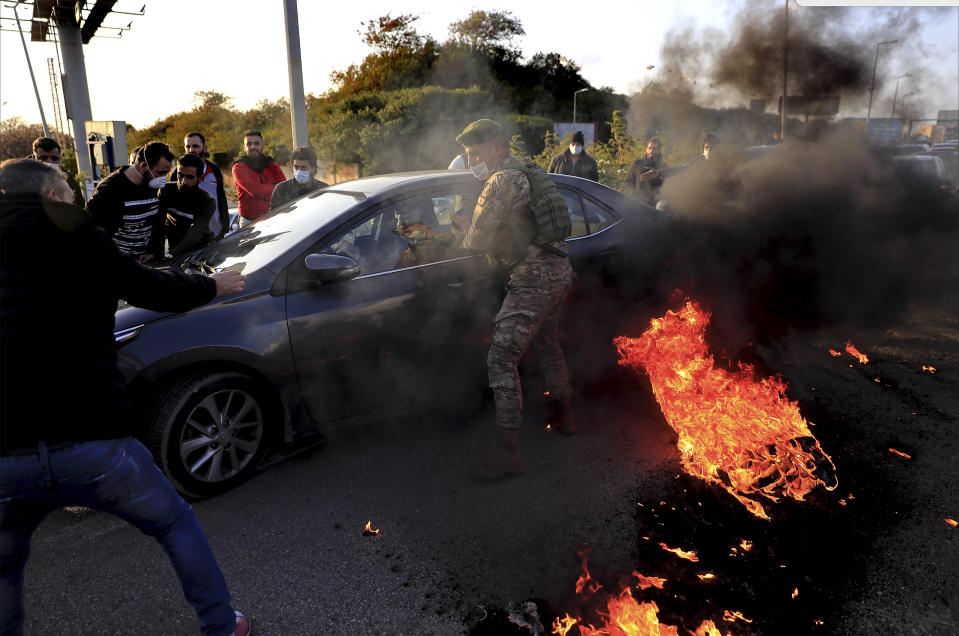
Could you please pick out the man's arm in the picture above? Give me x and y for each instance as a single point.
(102, 207)
(222, 207)
(275, 172)
(199, 233)
(279, 196)
(504, 193)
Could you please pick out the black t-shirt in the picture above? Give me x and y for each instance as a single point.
(129, 214)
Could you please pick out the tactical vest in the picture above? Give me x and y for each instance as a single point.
(547, 205)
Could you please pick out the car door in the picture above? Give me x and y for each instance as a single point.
(411, 328)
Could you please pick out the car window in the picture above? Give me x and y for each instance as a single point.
(414, 231)
(575, 213)
(597, 217)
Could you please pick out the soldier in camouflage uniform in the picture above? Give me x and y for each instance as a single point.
(528, 245)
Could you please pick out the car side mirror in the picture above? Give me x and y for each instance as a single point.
(331, 268)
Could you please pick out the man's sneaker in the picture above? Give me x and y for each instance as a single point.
(242, 625)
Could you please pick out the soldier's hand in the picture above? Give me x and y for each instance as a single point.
(228, 282)
(460, 221)
(649, 175)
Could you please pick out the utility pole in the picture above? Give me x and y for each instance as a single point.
(55, 96)
(574, 102)
(36, 91)
(782, 122)
(875, 62)
(301, 136)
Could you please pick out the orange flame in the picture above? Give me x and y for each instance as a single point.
(854, 352)
(646, 582)
(834, 353)
(706, 577)
(929, 369)
(952, 522)
(708, 628)
(734, 431)
(734, 616)
(627, 617)
(795, 592)
(900, 453)
(562, 625)
(585, 581)
(369, 529)
(746, 545)
(691, 555)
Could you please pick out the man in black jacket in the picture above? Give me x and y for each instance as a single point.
(127, 207)
(304, 181)
(211, 180)
(65, 431)
(186, 208)
(575, 161)
(646, 175)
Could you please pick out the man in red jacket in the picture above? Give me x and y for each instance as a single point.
(255, 174)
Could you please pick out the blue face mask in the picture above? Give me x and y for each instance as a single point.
(302, 176)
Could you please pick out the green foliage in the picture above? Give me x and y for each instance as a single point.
(615, 156)
(487, 30)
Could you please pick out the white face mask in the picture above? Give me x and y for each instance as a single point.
(481, 170)
(154, 183)
(302, 176)
(575, 149)
(706, 154)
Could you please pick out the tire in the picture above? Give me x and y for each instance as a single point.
(209, 432)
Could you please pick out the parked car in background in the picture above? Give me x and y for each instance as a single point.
(343, 317)
(923, 165)
(908, 149)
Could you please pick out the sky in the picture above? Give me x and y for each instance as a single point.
(238, 47)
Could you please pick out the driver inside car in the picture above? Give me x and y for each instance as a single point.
(426, 245)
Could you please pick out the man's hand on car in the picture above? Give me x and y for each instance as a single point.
(228, 282)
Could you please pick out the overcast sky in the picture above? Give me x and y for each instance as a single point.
(238, 47)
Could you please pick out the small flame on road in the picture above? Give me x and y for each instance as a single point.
(585, 581)
(735, 616)
(562, 625)
(646, 582)
(900, 453)
(795, 592)
(706, 577)
(855, 353)
(834, 353)
(952, 522)
(683, 554)
(369, 530)
(929, 369)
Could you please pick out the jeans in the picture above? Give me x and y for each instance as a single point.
(116, 476)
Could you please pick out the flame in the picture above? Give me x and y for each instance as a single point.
(929, 369)
(834, 353)
(795, 592)
(734, 431)
(562, 625)
(708, 628)
(585, 581)
(746, 545)
(734, 616)
(691, 555)
(646, 582)
(706, 577)
(627, 617)
(854, 352)
(900, 453)
(952, 522)
(369, 529)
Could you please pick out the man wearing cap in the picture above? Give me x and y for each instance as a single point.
(520, 222)
(575, 161)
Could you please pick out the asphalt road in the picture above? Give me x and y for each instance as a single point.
(291, 542)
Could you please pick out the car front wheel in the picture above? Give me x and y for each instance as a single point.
(210, 432)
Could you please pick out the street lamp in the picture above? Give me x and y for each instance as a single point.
(873, 86)
(896, 94)
(574, 102)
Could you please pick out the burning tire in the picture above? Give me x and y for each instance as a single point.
(209, 432)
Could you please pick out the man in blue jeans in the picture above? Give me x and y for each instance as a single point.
(65, 430)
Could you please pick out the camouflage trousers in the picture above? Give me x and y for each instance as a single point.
(528, 317)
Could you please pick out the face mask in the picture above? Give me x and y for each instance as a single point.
(575, 149)
(302, 176)
(481, 170)
(705, 154)
(154, 183)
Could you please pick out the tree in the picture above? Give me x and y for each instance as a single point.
(16, 138)
(391, 35)
(488, 31)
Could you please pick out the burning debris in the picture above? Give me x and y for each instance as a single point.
(900, 453)
(952, 522)
(646, 582)
(689, 555)
(928, 369)
(369, 530)
(734, 431)
(855, 353)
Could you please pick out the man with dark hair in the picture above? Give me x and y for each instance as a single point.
(255, 174)
(211, 180)
(575, 161)
(66, 432)
(187, 208)
(304, 178)
(127, 206)
(520, 222)
(646, 175)
(47, 150)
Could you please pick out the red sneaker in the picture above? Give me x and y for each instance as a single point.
(243, 627)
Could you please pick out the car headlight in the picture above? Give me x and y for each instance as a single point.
(125, 335)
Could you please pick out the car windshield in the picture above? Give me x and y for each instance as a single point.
(256, 245)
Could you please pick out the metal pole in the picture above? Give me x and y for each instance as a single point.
(301, 136)
(26, 54)
(575, 93)
(75, 93)
(875, 62)
(896, 94)
(782, 123)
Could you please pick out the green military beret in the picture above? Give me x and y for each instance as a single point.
(479, 132)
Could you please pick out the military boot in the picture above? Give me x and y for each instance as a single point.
(559, 414)
(505, 459)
